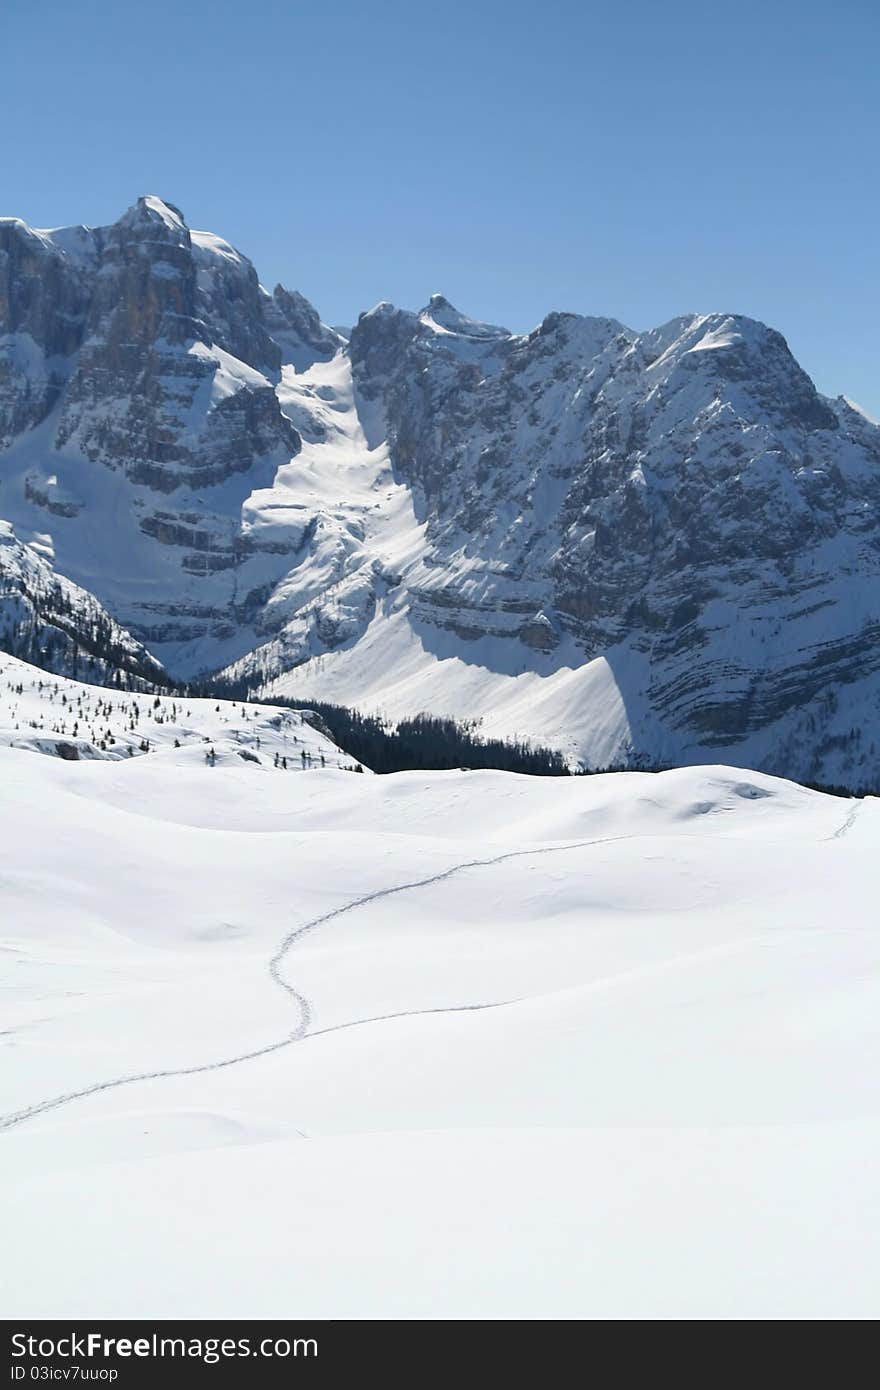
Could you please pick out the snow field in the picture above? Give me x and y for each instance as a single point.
(451, 1044)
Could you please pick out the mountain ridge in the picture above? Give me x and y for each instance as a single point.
(640, 548)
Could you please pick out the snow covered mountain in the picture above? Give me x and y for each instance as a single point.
(638, 547)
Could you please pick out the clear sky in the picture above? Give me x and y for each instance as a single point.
(635, 159)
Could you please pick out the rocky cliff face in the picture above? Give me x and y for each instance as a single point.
(126, 317)
(681, 502)
(50, 622)
(173, 371)
(644, 547)
(43, 303)
(137, 394)
(295, 326)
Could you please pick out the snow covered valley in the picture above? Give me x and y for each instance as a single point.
(435, 1044)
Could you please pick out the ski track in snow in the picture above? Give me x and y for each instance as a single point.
(301, 1032)
(848, 822)
(303, 1029)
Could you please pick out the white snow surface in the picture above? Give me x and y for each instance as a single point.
(45, 713)
(435, 1045)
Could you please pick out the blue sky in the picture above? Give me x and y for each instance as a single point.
(638, 160)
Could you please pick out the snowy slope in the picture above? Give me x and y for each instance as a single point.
(71, 720)
(459, 1044)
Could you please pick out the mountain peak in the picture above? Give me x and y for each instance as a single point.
(151, 208)
(441, 316)
(383, 310)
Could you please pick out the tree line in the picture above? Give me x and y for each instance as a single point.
(426, 742)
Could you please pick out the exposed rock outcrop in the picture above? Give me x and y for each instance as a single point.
(50, 622)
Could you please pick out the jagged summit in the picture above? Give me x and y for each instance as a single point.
(150, 208)
(383, 310)
(296, 326)
(442, 317)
